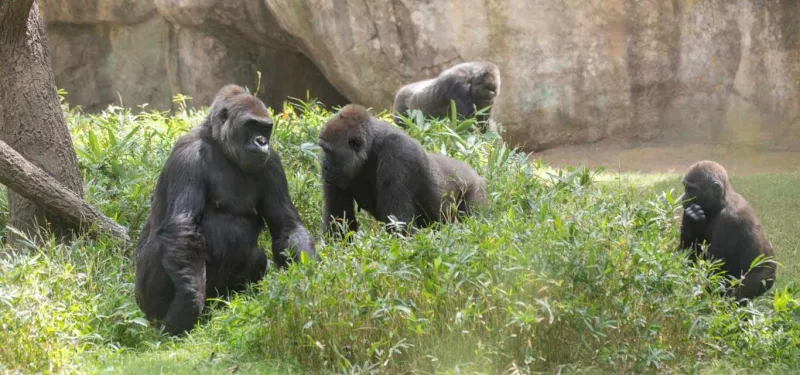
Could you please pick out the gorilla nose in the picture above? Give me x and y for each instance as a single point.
(325, 166)
(261, 141)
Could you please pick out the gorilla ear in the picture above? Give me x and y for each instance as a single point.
(223, 115)
(717, 186)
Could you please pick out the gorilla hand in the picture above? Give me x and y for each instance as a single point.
(695, 212)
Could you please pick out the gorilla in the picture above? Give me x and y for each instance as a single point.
(471, 85)
(385, 171)
(219, 187)
(715, 214)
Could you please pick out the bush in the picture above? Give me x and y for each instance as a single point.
(560, 272)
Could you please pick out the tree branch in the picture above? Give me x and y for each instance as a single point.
(35, 184)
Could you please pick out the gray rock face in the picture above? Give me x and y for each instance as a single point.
(144, 51)
(574, 71)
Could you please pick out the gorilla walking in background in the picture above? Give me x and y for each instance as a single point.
(471, 85)
(372, 163)
(715, 214)
(219, 187)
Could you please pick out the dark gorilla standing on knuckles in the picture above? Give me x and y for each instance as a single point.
(218, 188)
(372, 163)
(716, 214)
(471, 85)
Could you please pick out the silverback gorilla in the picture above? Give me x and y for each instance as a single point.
(218, 188)
(471, 85)
(716, 214)
(374, 164)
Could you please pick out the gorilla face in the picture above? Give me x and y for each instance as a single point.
(702, 190)
(252, 136)
(243, 132)
(342, 159)
(344, 145)
(484, 89)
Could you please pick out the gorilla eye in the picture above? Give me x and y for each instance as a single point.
(355, 143)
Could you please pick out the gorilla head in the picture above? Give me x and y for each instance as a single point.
(706, 184)
(241, 127)
(345, 141)
(485, 84)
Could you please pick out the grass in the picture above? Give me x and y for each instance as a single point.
(565, 271)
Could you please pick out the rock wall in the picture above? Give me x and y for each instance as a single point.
(145, 51)
(574, 71)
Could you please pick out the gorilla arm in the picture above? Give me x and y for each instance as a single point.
(338, 206)
(285, 225)
(693, 227)
(401, 100)
(183, 250)
(692, 231)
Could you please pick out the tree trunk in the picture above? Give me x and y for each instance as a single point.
(31, 119)
(33, 183)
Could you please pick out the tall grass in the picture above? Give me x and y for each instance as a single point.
(559, 273)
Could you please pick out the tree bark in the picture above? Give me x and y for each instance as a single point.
(31, 119)
(33, 183)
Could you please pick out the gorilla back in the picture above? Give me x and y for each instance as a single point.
(218, 189)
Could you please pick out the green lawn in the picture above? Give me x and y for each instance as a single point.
(564, 271)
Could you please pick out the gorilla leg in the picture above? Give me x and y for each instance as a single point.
(235, 257)
(252, 270)
(257, 266)
(757, 282)
(235, 272)
(184, 261)
(154, 290)
(187, 271)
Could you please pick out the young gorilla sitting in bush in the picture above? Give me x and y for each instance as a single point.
(370, 162)
(715, 214)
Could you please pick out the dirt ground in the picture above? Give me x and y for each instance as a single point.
(670, 158)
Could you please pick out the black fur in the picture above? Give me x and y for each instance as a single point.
(372, 163)
(715, 214)
(219, 187)
(471, 85)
